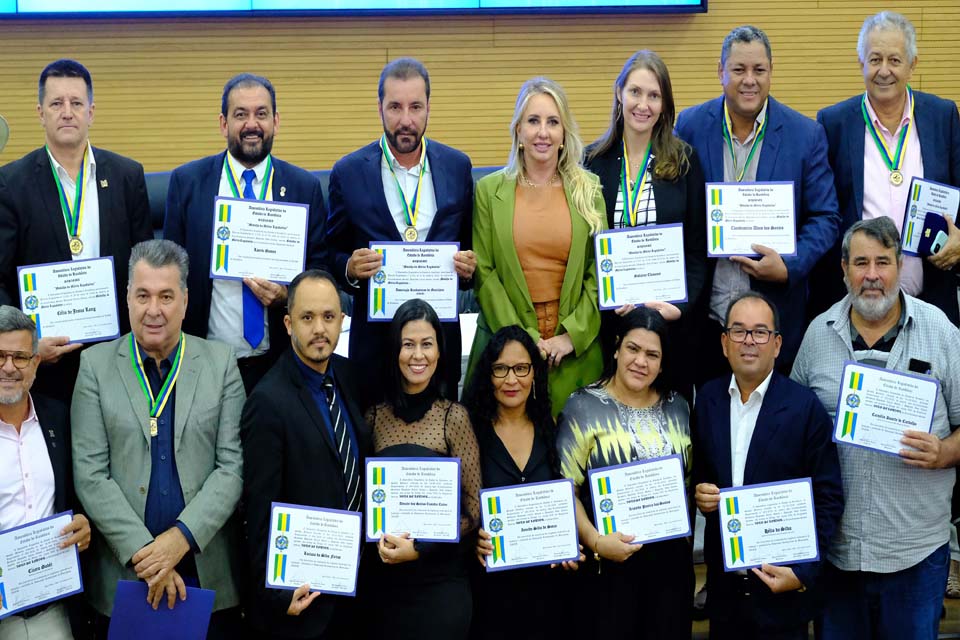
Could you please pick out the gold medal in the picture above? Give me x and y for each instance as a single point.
(410, 234)
(76, 245)
(153, 428)
(896, 178)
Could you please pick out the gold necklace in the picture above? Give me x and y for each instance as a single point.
(525, 181)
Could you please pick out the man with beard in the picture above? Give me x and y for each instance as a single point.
(401, 187)
(248, 316)
(888, 564)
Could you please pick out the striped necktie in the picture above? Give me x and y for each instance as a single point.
(348, 458)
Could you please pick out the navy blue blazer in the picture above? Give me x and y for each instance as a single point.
(938, 127)
(792, 439)
(359, 215)
(189, 223)
(794, 149)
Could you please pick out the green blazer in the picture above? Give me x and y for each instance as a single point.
(111, 463)
(501, 287)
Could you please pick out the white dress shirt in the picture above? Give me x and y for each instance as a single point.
(743, 422)
(226, 302)
(26, 474)
(90, 222)
(408, 179)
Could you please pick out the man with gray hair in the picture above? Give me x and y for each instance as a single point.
(746, 135)
(881, 139)
(888, 562)
(156, 449)
(34, 471)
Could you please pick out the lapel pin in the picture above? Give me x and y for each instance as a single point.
(104, 184)
(283, 192)
(50, 431)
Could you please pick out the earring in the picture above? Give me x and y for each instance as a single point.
(534, 389)
(520, 147)
(561, 147)
(619, 110)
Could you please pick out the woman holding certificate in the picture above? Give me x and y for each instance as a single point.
(533, 228)
(651, 177)
(629, 416)
(510, 411)
(420, 590)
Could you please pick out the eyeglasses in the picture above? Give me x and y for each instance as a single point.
(760, 336)
(521, 370)
(20, 359)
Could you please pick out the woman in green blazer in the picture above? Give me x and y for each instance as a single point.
(542, 205)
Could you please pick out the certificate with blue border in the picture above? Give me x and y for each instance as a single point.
(418, 496)
(645, 499)
(411, 270)
(741, 214)
(769, 523)
(875, 406)
(641, 264)
(926, 197)
(76, 298)
(313, 545)
(530, 524)
(34, 570)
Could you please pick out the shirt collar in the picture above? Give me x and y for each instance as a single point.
(757, 123)
(89, 171)
(904, 119)
(759, 392)
(894, 330)
(391, 161)
(314, 379)
(238, 169)
(31, 416)
(145, 357)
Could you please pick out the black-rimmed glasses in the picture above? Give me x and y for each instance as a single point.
(760, 336)
(521, 370)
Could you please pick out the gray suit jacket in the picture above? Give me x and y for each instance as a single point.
(111, 462)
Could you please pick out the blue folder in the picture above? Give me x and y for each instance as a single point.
(133, 617)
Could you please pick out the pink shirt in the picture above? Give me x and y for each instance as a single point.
(880, 198)
(26, 475)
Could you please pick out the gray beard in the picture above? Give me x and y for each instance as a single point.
(873, 309)
(12, 398)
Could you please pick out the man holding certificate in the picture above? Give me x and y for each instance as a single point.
(887, 569)
(753, 428)
(244, 308)
(34, 483)
(68, 201)
(746, 136)
(304, 442)
(879, 141)
(401, 188)
(156, 450)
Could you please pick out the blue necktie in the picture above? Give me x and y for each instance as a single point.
(252, 307)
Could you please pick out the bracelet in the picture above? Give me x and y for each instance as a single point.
(596, 548)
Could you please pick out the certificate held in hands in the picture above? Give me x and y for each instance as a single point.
(641, 264)
(419, 496)
(258, 239)
(530, 524)
(741, 214)
(770, 523)
(411, 270)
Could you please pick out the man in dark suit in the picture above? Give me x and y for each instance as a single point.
(754, 427)
(249, 315)
(761, 140)
(377, 194)
(291, 426)
(68, 201)
(34, 464)
(865, 174)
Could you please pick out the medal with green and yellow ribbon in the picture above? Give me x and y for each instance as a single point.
(158, 402)
(411, 208)
(893, 161)
(631, 197)
(234, 182)
(72, 216)
(739, 172)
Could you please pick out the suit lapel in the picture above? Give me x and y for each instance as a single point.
(186, 388)
(139, 403)
(106, 202)
(771, 142)
(854, 133)
(503, 222)
(43, 172)
(441, 187)
(930, 147)
(714, 159)
(280, 189)
(768, 423)
(573, 276)
(373, 183)
(720, 410)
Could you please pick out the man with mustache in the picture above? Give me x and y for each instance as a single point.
(248, 316)
(752, 427)
(746, 135)
(887, 566)
(881, 139)
(401, 187)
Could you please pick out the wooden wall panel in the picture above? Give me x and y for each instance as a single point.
(158, 81)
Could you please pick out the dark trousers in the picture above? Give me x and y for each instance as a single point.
(743, 597)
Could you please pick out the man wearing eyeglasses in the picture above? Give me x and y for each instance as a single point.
(34, 472)
(886, 572)
(754, 427)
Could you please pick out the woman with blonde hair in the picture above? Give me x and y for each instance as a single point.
(533, 227)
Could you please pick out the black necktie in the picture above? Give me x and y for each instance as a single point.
(348, 460)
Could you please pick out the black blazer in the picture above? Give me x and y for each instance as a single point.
(792, 440)
(289, 456)
(54, 421)
(682, 200)
(32, 231)
(188, 221)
